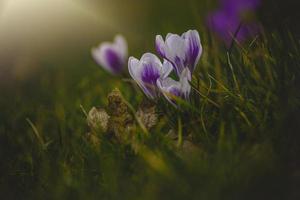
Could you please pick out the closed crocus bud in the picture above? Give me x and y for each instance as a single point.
(112, 56)
(147, 71)
(182, 51)
(176, 89)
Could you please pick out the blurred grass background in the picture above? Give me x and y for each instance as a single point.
(46, 73)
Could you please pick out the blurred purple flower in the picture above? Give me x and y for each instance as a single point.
(182, 51)
(147, 71)
(229, 23)
(172, 89)
(112, 56)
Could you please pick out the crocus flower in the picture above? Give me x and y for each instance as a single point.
(228, 27)
(182, 51)
(147, 71)
(172, 89)
(112, 56)
(229, 23)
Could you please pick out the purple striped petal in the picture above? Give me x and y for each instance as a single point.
(113, 60)
(193, 49)
(160, 46)
(150, 73)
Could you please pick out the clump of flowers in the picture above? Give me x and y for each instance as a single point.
(230, 21)
(179, 53)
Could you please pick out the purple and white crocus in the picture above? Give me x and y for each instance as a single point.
(147, 71)
(172, 90)
(182, 51)
(112, 56)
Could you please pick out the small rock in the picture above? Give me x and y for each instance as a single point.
(98, 119)
(147, 115)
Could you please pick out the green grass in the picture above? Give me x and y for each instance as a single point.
(243, 120)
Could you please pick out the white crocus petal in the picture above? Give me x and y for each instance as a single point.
(99, 56)
(193, 48)
(160, 45)
(175, 51)
(148, 58)
(167, 68)
(185, 74)
(121, 45)
(133, 68)
(176, 46)
(185, 78)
